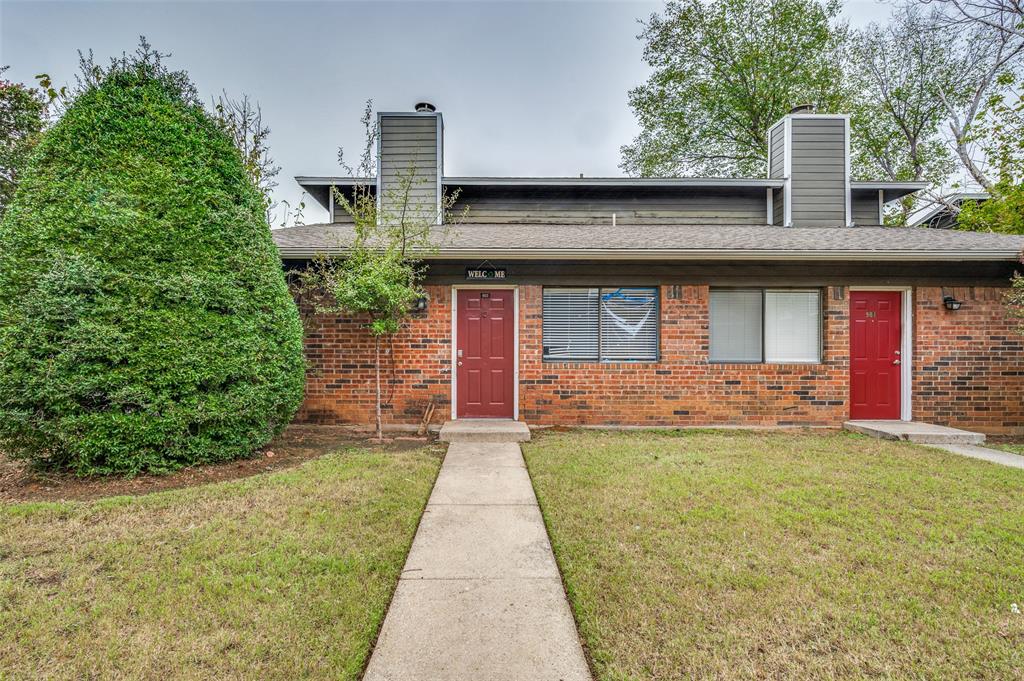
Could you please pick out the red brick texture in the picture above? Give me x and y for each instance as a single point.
(416, 366)
(683, 388)
(968, 363)
(968, 370)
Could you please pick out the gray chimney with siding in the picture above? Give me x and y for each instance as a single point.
(812, 153)
(410, 145)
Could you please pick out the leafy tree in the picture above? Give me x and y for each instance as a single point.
(918, 88)
(1015, 300)
(379, 276)
(1001, 129)
(897, 74)
(1005, 16)
(145, 323)
(985, 57)
(724, 72)
(22, 120)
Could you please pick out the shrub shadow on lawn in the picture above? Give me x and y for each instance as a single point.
(20, 482)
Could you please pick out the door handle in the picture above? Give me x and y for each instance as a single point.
(459, 364)
(895, 361)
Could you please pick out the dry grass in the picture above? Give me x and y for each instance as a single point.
(283, 575)
(740, 555)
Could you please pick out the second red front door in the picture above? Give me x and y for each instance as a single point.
(875, 361)
(485, 353)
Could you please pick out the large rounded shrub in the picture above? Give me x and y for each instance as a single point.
(145, 323)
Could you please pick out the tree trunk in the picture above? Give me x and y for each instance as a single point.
(376, 365)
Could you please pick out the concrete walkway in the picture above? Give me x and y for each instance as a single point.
(480, 596)
(985, 454)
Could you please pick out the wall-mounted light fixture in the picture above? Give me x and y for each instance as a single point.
(952, 303)
(420, 305)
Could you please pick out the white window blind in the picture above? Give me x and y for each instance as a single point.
(570, 323)
(736, 325)
(608, 324)
(629, 324)
(792, 326)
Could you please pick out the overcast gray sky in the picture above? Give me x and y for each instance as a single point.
(536, 88)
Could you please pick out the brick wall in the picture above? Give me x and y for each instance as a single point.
(968, 370)
(968, 363)
(340, 377)
(682, 388)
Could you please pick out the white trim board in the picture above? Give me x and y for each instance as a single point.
(454, 337)
(787, 172)
(847, 196)
(906, 344)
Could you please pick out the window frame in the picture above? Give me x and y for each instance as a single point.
(656, 289)
(763, 290)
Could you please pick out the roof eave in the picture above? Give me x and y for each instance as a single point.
(684, 254)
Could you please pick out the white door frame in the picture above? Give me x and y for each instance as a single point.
(515, 340)
(906, 343)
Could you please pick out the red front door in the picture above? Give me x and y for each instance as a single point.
(485, 353)
(875, 335)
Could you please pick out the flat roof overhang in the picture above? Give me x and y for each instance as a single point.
(318, 186)
(891, 191)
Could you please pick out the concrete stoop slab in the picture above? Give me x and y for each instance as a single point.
(915, 431)
(484, 430)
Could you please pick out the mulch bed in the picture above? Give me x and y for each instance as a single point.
(19, 482)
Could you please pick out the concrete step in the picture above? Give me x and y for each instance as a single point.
(484, 430)
(914, 431)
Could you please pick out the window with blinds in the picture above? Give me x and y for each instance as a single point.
(765, 325)
(736, 326)
(600, 324)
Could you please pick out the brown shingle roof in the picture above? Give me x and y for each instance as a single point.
(675, 242)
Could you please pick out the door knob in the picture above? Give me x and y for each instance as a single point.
(459, 364)
(895, 361)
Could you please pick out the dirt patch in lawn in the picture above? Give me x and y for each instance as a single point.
(20, 482)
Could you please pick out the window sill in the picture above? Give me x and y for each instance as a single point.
(601, 362)
(719, 362)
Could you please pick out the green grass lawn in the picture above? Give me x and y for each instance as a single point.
(1013, 448)
(278, 576)
(751, 555)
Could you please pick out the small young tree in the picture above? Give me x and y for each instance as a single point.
(379, 275)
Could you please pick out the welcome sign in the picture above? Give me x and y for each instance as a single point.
(485, 273)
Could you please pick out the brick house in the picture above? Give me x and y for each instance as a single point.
(778, 300)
